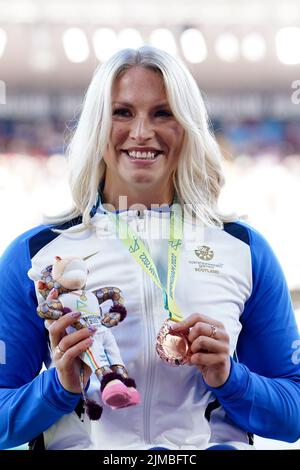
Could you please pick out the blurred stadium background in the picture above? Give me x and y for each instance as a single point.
(245, 57)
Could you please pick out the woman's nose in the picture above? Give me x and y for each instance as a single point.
(141, 129)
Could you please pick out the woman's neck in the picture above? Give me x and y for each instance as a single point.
(122, 200)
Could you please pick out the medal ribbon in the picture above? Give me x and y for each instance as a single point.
(138, 250)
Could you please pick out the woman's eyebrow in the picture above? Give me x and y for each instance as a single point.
(163, 104)
(122, 103)
(130, 105)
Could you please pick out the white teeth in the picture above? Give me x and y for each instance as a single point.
(142, 155)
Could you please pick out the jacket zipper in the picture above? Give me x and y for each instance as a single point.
(150, 352)
(149, 329)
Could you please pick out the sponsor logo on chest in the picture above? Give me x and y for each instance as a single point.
(204, 263)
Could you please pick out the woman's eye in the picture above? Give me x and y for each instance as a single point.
(163, 113)
(121, 112)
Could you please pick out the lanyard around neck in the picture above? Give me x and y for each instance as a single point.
(140, 253)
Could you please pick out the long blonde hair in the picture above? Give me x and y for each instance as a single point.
(198, 178)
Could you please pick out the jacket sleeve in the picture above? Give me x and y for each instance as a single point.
(29, 402)
(262, 393)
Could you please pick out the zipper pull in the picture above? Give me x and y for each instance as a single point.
(140, 214)
(140, 220)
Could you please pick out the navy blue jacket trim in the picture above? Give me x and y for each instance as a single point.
(42, 238)
(237, 231)
(213, 405)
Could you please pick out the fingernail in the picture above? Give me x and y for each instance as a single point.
(92, 329)
(76, 314)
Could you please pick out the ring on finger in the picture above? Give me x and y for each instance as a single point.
(59, 350)
(213, 331)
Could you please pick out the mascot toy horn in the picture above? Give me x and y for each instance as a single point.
(62, 286)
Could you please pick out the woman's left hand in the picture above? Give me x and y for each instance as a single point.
(209, 344)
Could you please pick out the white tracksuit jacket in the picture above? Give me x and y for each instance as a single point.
(214, 279)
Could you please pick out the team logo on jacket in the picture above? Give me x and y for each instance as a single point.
(205, 253)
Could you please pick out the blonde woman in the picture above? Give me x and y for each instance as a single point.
(210, 335)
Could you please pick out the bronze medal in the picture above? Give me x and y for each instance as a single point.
(172, 347)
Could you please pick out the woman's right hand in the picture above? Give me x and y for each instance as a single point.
(67, 348)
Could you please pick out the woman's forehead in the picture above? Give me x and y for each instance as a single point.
(138, 81)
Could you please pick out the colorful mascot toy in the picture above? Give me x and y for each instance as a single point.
(62, 286)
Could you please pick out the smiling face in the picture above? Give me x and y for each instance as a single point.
(145, 140)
